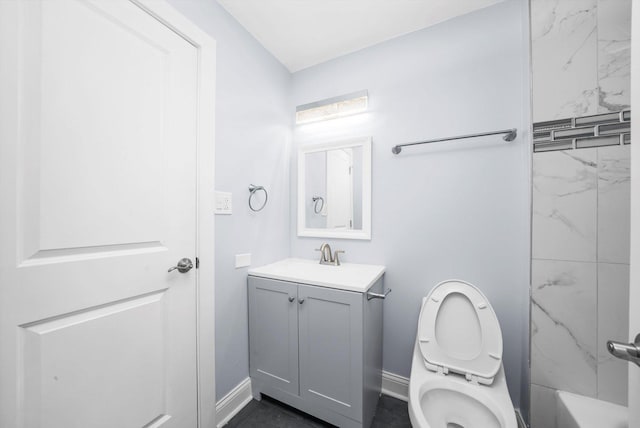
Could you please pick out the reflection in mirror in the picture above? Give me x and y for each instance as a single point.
(334, 189)
(333, 179)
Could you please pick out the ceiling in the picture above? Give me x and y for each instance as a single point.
(302, 33)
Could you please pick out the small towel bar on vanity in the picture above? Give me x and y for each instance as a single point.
(384, 295)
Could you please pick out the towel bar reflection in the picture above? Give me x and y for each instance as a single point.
(252, 191)
(510, 135)
(318, 204)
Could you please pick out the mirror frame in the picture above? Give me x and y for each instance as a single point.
(365, 232)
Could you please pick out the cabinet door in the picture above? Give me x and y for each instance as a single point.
(331, 349)
(273, 333)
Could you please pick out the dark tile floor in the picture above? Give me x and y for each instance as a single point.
(269, 413)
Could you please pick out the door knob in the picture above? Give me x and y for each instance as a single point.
(183, 266)
(301, 301)
(625, 351)
(291, 299)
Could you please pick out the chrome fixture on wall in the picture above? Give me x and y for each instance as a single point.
(510, 135)
(629, 352)
(252, 191)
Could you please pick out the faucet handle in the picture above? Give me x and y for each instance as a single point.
(336, 259)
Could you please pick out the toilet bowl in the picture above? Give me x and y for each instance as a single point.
(457, 379)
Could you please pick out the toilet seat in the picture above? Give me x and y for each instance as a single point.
(458, 331)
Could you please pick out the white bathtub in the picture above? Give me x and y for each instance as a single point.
(578, 411)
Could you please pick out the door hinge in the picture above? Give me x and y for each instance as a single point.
(197, 263)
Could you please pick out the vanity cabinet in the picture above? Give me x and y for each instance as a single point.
(316, 348)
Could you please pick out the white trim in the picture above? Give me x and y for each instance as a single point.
(205, 146)
(233, 402)
(395, 386)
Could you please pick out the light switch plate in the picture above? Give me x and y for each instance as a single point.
(223, 203)
(243, 260)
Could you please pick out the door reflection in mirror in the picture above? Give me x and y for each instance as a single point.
(334, 189)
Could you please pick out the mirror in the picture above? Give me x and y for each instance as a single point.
(334, 189)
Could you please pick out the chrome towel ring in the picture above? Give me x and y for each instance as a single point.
(252, 191)
(316, 200)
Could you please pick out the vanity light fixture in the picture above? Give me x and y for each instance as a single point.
(331, 108)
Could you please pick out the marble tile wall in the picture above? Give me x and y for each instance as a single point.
(614, 55)
(564, 58)
(580, 57)
(564, 326)
(580, 272)
(613, 204)
(613, 318)
(565, 202)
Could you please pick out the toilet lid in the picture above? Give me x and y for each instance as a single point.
(458, 331)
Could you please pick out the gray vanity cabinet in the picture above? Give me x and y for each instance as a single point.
(330, 352)
(307, 348)
(273, 332)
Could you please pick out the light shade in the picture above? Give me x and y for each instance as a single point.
(331, 108)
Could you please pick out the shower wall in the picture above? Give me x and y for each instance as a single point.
(580, 242)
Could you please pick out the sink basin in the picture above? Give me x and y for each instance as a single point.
(347, 276)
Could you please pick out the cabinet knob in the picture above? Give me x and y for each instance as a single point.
(291, 299)
(301, 301)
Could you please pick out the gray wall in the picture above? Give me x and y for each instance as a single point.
(452, 210)
(253, 134)
(438, 212)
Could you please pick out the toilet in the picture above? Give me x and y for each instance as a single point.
(457, 379)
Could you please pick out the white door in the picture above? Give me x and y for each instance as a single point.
(634, 291)
(98, 191)
(339, 189)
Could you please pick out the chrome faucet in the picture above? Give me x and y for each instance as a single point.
(326, 258)
(325, 254)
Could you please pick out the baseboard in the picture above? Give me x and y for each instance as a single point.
(229, 406)
(233, 402)
(395, 386)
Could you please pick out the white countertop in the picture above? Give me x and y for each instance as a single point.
(347, 276)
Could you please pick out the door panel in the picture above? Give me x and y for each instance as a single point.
(98, 181)
(87, 67)
(113, 192)
(66, 380)
(331, 349)
(273, 338)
